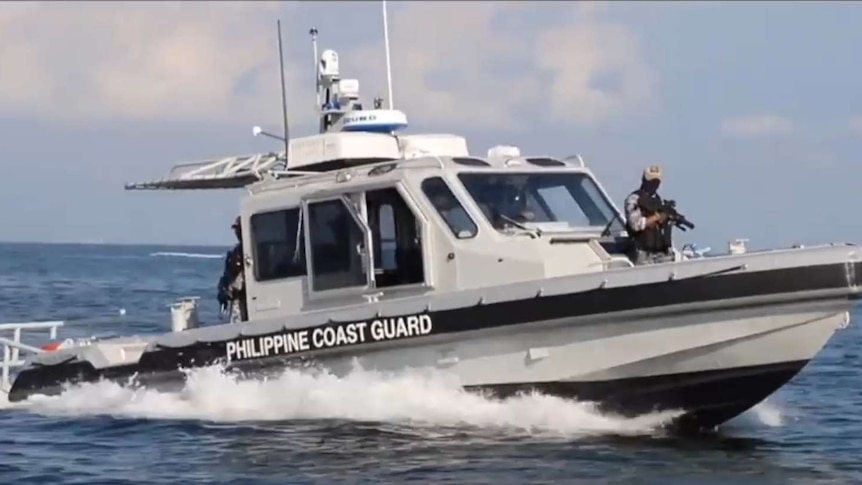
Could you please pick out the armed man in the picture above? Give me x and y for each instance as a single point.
(231, 286)
(650, 220)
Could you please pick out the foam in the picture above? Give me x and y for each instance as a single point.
(418, 398)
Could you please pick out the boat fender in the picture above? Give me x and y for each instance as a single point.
(52, 346)
(65, 344)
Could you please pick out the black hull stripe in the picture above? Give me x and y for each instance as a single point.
(501, 314)
(708, 398)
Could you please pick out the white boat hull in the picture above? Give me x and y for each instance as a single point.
(642, 364)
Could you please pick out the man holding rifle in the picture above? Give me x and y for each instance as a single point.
(650, 220)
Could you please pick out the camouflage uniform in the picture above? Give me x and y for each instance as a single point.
(634, 218)
(636, 222)
(237, 288)
(643, 257)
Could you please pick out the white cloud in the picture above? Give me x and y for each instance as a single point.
(578, 54)
(141, 61)
(856, 125)
(476, 64)
(460, 63)
(757, 125)
(441, 67)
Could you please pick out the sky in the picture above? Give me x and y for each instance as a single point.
(753, 109)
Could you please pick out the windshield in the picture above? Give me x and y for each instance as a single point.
(570, 199)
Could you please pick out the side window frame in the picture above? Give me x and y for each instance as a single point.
(300, 241)
(448, 187)
(367, 256)
(409, 196)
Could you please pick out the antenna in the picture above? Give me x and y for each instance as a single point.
(283, 95)
(388, 62)
(313, 33)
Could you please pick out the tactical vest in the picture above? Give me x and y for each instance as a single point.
(233, 269)
(233, 263)
(653, 239)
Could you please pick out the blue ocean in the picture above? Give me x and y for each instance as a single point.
(367, 428)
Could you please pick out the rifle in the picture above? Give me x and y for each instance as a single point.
(667, 207)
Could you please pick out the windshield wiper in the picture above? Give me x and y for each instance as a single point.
(517, 224)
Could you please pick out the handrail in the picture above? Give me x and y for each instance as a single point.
(34, 325)
(19, 345)
(13, 347)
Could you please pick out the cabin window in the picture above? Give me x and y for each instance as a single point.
(447, 205)
(278, 245)
(470, 162)
(337, 242)
(396, 237)
(570, 198)
(342, 163)
(545, 162)
(561, 205)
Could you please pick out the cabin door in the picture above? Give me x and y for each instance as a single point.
(337, 246)
(395, 239)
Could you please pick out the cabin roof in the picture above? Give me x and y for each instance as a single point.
(389, 169)
(318, 158)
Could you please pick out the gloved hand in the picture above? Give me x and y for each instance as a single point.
(657, 218)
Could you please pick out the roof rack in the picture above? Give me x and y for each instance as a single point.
(225, 173)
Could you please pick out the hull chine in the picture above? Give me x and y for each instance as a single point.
(705, 399)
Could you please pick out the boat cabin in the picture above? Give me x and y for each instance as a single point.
(410, 214)
(359, 212)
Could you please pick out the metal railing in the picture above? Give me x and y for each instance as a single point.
(13, 347)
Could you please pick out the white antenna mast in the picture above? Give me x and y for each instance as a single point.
(283, 95)
(388, 62)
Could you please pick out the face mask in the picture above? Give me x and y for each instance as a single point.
(650, 186)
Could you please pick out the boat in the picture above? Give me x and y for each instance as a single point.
(364, 245)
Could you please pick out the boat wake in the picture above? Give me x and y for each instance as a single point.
(418, 399)
(765, 413)
(187, 255)
(769, 414)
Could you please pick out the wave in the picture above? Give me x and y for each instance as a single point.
(187, 255)
(425, 399)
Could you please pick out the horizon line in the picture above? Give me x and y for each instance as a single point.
(99, 243)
